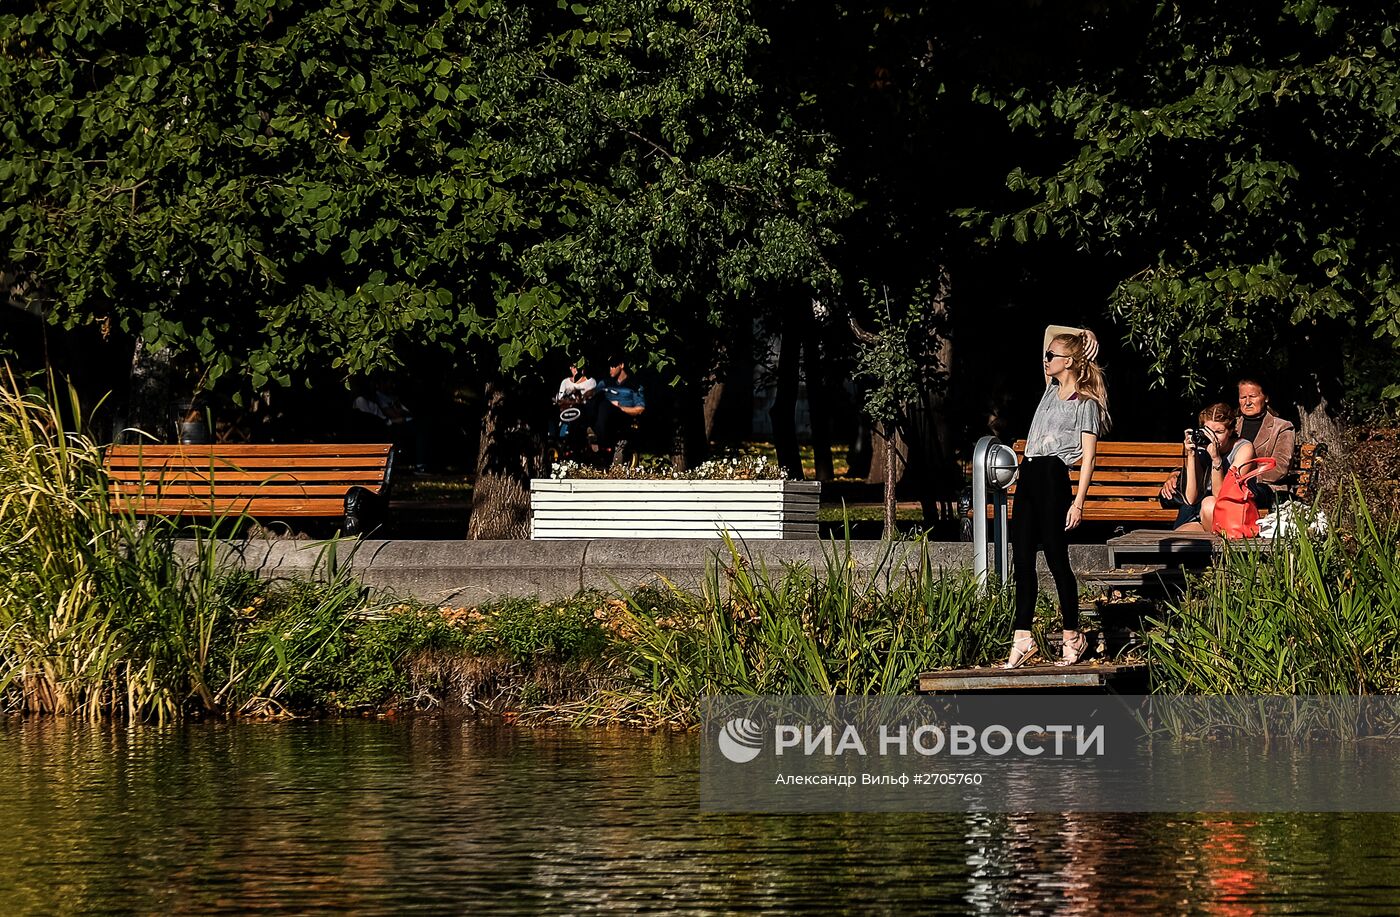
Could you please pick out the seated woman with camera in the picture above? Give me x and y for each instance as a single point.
(1210, 450)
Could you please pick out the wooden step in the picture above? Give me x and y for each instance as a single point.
(1090, 675)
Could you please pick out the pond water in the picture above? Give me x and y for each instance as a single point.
(445, 815)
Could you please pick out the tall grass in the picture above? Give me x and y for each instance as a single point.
(99, 613)
(798, 631)
(1317, 615)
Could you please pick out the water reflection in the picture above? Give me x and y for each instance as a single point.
(379, 817)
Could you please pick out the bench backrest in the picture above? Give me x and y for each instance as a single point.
(1306, 467)
(1127, 479)
(260, 480)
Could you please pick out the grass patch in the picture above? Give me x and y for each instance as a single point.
(840, 457)
(433, 488)
(867, 512)
(755, 630)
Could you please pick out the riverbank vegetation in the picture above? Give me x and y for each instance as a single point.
(105, 615)
(1322, 617)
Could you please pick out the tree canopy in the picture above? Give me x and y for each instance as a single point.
(1239, 171)
(271, 185)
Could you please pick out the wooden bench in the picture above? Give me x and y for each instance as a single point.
(1189, 548)
(261, 481)
(1128, 477)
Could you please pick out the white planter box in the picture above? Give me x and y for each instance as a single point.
(673, 509)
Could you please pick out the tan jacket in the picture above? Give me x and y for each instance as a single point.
(1274, 440)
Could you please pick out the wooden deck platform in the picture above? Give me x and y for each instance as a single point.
(1032, 677)
(1153, 546)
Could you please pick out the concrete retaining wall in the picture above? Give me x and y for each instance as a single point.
(472, 572)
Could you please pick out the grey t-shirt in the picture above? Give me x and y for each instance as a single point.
(1057, 425)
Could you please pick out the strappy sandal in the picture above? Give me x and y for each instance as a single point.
(1074, 648)
(1023, 648)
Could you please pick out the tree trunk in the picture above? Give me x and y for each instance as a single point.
(510, 454)
(927, 459)
(714, 395)
(1316, 424)
(931, 450)
(891, 505)
(1320, 390)
(885, 450)
(860, 457)
(689, 444)
(783, 412)
(819, 410)
(148, 407)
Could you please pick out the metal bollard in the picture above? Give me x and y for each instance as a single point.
(993, 465)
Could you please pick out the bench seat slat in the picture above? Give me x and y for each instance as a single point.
(222, 489)
(1129, 477)
(278, 506)
(236, 450)
(1128, 511)
(197, 462)
(1142, 461)
(361, 477)
(1112, 449)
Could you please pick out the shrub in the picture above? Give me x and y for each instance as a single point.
(530, 631)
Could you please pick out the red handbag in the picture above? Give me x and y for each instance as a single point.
(1236, 515)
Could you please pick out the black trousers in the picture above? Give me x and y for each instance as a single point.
(1043, 497)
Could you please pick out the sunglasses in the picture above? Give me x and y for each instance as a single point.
(1050, 355)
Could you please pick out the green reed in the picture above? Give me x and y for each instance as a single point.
(99, 611)
(797, 631)
(1317, 615)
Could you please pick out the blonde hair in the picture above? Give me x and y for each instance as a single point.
(1220, 412)
(1088, 376)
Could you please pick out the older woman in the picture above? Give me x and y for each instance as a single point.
(1271, 435)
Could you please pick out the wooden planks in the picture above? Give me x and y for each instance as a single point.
(219, 506)
(313, 451)
(673, 509)
(1157, 547)
(231, 474)
(1030, 677)
(1127, 479)
(297, 479)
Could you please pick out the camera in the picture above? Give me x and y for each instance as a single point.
(1201, 437)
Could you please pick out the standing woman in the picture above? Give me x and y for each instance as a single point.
(1066, 427)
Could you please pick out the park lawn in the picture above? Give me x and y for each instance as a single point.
(840, 457)
(868, 512)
